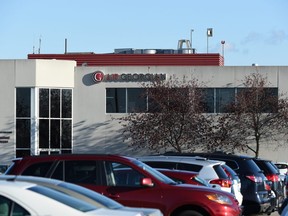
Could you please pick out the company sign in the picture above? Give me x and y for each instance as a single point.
(99, 76)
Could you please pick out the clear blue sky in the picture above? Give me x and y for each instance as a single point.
(255, 31)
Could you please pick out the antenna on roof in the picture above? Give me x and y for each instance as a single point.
(39, 49)
(65, 45)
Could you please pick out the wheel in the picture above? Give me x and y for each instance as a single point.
(190, 213)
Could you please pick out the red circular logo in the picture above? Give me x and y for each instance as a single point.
(98, 76)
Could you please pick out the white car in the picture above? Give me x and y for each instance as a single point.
(210, 170)
(79, 192)
(23, 198)
(283, 169)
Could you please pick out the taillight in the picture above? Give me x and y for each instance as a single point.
(267, 187)
(256, 179)
(273, 177)
(222, 182)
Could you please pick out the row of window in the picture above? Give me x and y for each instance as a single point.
(127, 100)
(53, 120)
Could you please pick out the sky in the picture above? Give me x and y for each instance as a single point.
(254, 31)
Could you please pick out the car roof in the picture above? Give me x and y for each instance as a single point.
(207, 154)
(183, 159)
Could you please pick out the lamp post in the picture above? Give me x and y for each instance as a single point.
(223, 43)
(209, 34)
(192, 30)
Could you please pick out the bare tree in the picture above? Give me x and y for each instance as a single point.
(174, 119)
(258, 113)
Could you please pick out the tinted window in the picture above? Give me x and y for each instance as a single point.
(6, 208)
(166, 165)
(23, 133)
(81, 172)
(126, 176)
(220, 171)
(244, 165)
(115, 100)
(189, 167)
(267, 167)
(23, 102)
(136, 100)
(224, 97)
(282, 166)
(39, 169)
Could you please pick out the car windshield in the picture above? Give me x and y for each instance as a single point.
(101, 199)
(161, 177)
(63, 198)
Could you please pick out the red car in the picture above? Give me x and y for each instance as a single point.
(130, 182)
(184, 177)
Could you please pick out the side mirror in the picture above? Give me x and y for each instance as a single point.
(147, 182)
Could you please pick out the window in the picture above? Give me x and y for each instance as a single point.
(115, 100)
(208, 99)
(38, 169)
(8, 207)
(123, 100)
(224, 97)
(125, 176)
(214, 100)
(79, 172)
(164, 165)
(23, 121)
(55, 121)
(189, 167)
(136, 100)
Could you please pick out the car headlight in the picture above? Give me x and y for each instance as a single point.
(222, 199)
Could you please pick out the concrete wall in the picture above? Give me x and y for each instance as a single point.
(31, 74)
(98, 132)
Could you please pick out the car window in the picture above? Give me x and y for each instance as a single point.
(266, 166)
(79, 172)
(38, 169)
(126, 176)
(189, 167)
(160, 164)
(220, 171)
(7, 209)
(281, 166)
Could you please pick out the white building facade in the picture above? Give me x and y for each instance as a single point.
(55, 106)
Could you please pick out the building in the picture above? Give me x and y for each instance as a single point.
(61, 103)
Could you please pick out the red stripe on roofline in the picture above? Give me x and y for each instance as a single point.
(92, 59)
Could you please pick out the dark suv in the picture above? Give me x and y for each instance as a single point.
(272, 174)
(130, 182)
(256, 198)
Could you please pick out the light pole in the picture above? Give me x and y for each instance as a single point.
(192, 30)
(223, 43)
(209, 34)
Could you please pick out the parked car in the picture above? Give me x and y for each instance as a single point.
(23, 198)
(283, 169)
(236, 182)
(130, 182)
(257, 199)
(283, 206)
(82, 193)
(273, 176)
(210, 170)
(3, 168)
(186, 177)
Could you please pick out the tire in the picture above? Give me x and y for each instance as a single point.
(190, 213)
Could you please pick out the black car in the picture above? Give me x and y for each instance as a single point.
(273, 176)
(257, 198)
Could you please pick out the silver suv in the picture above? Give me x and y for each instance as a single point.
(210, 170)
